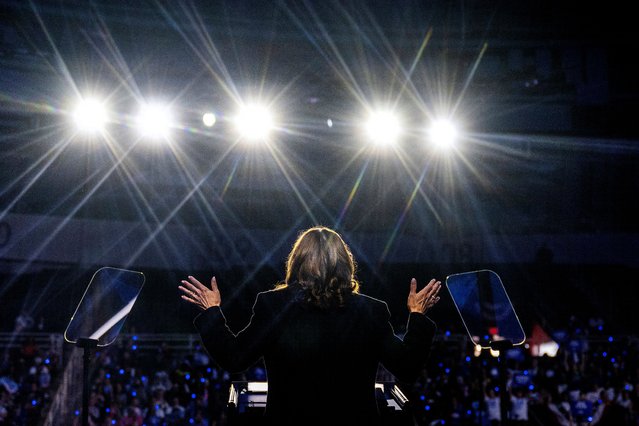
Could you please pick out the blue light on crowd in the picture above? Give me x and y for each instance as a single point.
(531, 387)
(134, 347)
(447, 370)
(469, 412)
(427, 408)
(187, 377)
(496, 388)
(34, 402)
(600, 328)
(467, 359)
(525, 372)
(77, 412)
(202, 380)
(422, 397)
(108, 410)
(605, 354)
(610, 339)
(113, 421)
(47, 361)
(121, 370)
(447, 333)
(589, 419)
(193, 396)
(191, 421)
(108, 376)
(208, 370)
(135, 337)
(612, 360)
(134, 393)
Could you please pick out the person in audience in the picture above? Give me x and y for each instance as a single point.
(519, 407)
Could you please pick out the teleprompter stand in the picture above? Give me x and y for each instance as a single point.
(99, 316)
(489, 318)
(88, 346)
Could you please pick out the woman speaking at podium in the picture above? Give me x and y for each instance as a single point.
(320, 339)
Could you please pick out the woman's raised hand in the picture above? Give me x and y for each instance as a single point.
(200, 295)
(421, 301)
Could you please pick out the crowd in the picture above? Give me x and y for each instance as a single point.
(592, 380)
(27, 382)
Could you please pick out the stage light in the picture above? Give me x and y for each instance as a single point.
(209, 119)
(155, 120)
(442, 134)
(383, 128)
(329, 123)
(254, 122)
(90, 116)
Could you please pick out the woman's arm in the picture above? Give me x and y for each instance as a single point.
(232, 352)
(404, 358)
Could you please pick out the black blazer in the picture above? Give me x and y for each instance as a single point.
(321, 364)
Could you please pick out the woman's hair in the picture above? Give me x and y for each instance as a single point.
(323, 266)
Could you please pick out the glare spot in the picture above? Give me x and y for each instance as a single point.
(209, 119)
(442, 134)
(383, 128)
(254, 123)
(90, 116)
(155, 121)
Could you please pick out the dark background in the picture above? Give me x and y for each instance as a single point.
(547, 92)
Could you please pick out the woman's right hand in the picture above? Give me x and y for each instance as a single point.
(200, 295)
(425, 299)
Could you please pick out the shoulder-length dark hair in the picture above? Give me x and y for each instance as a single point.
(323, 266)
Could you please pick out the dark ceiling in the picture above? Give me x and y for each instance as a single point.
(546, 90)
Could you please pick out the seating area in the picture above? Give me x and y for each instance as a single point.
(170, 380)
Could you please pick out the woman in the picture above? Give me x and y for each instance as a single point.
(321, 340)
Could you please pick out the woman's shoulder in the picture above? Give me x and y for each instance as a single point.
(275, 296)
(274, 293)
(364, 300)
(281, 297)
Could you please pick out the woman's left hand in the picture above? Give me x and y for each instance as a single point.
(200, 295)
(422, 301)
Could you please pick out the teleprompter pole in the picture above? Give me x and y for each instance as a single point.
(87, 346)
(502, 346)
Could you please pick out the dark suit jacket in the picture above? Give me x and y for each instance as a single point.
(321, 364)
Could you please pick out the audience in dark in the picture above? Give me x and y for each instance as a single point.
(592, 380)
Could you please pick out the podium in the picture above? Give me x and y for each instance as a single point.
(247, 402)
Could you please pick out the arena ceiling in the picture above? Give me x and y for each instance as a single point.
(546, 93)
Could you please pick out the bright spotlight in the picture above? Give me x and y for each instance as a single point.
(383, 128)
(155, 120)
(209, 119)
(90, 116)
(254, 122)
(443, 134)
